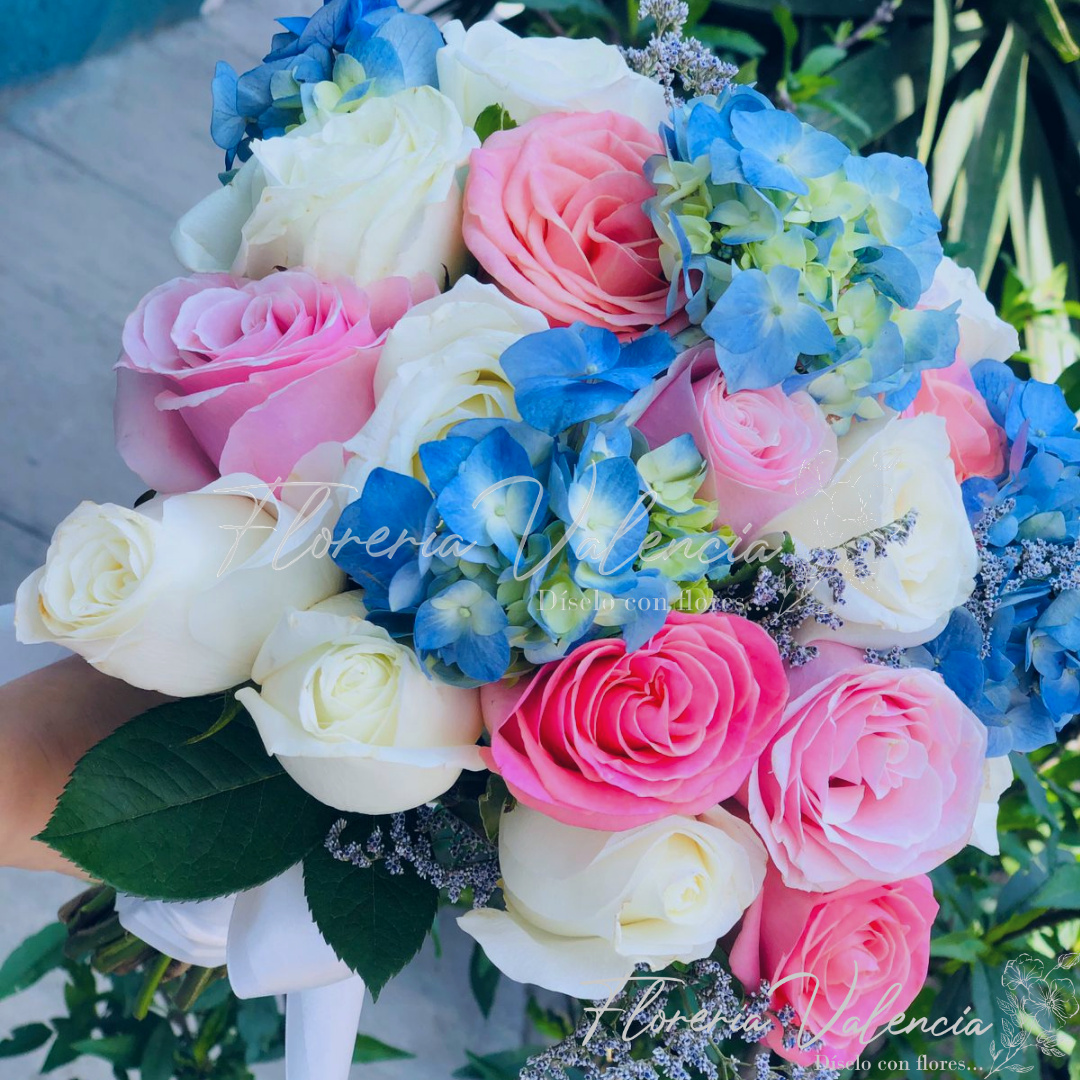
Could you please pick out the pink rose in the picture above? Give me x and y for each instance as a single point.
(976, 443)
(606, 739)
(553, 212)
(874, 775)
(223, 375)
(766, 450)
(866, 948)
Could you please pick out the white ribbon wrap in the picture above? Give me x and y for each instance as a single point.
(272, 946)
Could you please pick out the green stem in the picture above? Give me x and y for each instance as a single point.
(149, 987)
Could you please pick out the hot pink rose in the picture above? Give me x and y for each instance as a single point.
(606, 739)
(866, 948)
(766, 450)
(874, 775)
(976, 443)
(223, 375)
(553, 212)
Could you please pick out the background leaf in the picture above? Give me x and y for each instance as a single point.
(483, 978)
(33, 959)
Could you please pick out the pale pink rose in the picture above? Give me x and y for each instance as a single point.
(224, 375)
(766, 450)
(874, 775)
(866, 949)
(976, 443)
(553, 212)
(606, 739)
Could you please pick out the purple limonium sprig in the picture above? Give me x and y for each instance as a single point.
(470, 861)
(669, 56)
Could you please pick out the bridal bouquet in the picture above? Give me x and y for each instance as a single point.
(582, 494)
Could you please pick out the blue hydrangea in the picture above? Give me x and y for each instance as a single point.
(768, 225)
(330, 62)
(523, 545)
(564, 376)
(1026, 606)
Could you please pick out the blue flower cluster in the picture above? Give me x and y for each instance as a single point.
(532, 536)
(1013, 654)
(330, 62)
(802, 261)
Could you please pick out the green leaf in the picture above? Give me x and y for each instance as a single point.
(505, 1065)
(586, 7)
(1053, 25)
(493, 118)
(1069, 381)
(118, 1049)
(368, 1049)
(155, 815)
(736, 41)
(1036, 793)
(789, 32)
(158, 1060)
(374, 920)
(939, 76)
(900, 75)
(821, 60)
(959, 945)
(1061, 891)
(483, 978)
(262, 1027)
(25, 1039)
(829, 9)
(33, 959)
(980, 211)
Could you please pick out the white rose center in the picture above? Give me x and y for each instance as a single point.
(351, 692)
(98, 559)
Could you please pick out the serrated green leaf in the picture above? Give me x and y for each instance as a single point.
(493, 118)
(157, 816)
(368, 1049)
(33, 959)
(25, 1039)
(375, 921)
(483, 979)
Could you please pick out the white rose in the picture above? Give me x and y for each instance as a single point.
(439, 366)
(584, 906)
(888, 467)
(997, 779)
(353, 717)
(178, 595)
(490, 65)
(983, 336)
(367, 195)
